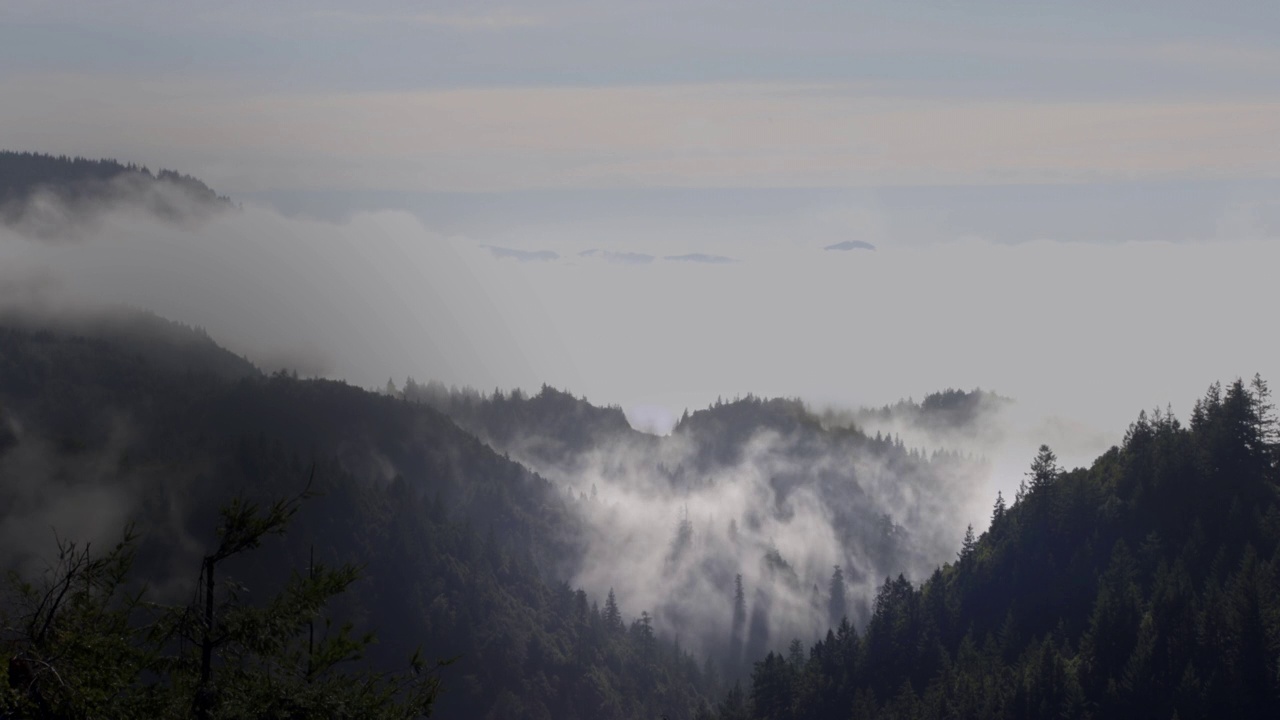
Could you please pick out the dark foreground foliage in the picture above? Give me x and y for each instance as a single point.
(80, 644)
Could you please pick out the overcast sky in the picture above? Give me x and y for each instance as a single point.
(1075, 203)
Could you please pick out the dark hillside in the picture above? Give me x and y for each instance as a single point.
(464, 552)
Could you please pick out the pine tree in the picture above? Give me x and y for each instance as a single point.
(736, 637)
(997, 512)
(968, 546)
(612, 616)
(1265, 411)
(739, 603)
(1043, 469)
(837, 602)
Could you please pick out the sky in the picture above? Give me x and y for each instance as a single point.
(655, 204)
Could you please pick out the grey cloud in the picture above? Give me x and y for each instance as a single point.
(375, 296)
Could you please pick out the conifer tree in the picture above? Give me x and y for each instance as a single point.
(1043, 469)
(739, 626)
(612, 616)
(969, 545)
(837, 602)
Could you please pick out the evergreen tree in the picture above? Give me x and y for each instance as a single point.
(968, 546)
(1043, 469)
(1265, 413)
(739, 623)
(837, 602)
(612, 615)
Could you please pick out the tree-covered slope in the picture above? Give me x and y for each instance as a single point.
(732, 527)
(24, 174)
(59, 197)
(549, 428)
(464, 553)
(1147, 585)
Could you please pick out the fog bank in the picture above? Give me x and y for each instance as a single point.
(1082, 336)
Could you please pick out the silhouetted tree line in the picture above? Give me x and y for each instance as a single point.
(947, 411)
(82, 642)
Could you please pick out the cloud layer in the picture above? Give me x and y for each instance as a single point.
(800, 134)
(1080, 335)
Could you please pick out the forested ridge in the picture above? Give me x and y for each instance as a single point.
(52, 197)
(747, 497)
(23, 174)
(459, 549)
(1147, 585)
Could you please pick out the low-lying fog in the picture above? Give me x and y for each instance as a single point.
(1081, 336)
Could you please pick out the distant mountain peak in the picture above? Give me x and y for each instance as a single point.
(851, 245)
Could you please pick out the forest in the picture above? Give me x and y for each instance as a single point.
(1148, 580)
(60, 197)
(456, 551)
(1147, 585)
(186, 535)
(23, 174)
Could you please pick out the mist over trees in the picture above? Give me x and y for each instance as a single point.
(461, 552)
(1147, 580)
(137, 419)
(747, 493)
(1143, 586)
(52, 197)
(24, 174)
(764, 560)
